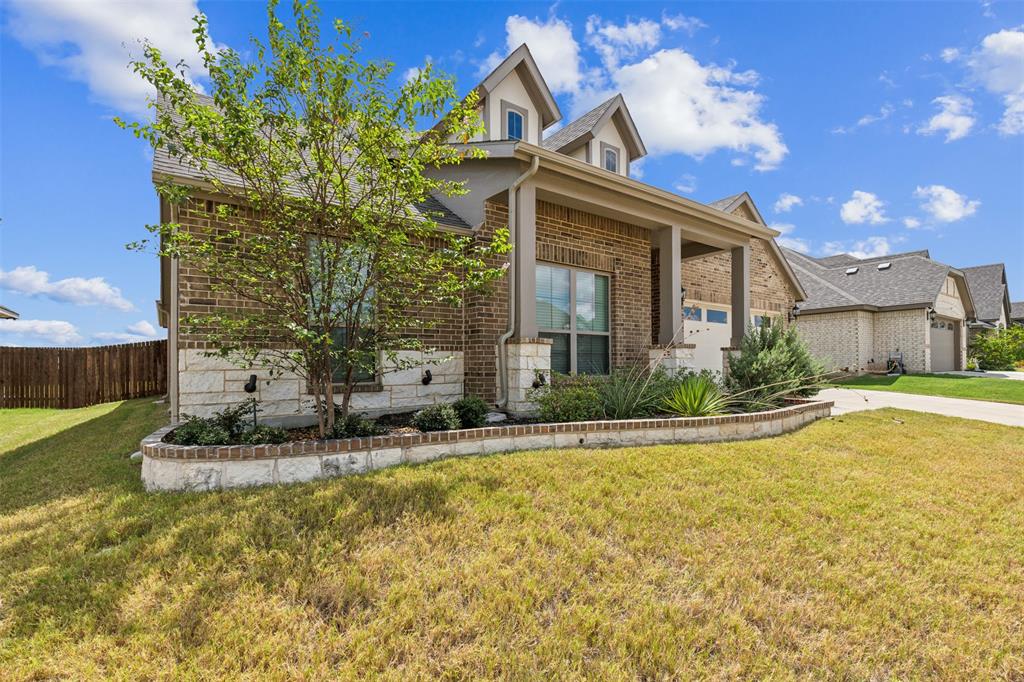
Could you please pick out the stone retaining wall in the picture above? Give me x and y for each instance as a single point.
(178, 467)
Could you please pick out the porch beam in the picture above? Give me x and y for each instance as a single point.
(525, 255)
(694, 250)
(667, 240)
(740, 293)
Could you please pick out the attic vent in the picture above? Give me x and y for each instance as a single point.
(852, 271)
(884, 266)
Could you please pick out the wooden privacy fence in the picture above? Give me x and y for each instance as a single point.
(77, 377)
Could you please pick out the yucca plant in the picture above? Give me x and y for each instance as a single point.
(697, 395)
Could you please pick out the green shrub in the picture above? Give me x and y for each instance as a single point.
(440, 417)
(999, 349)
(472, 411)
(263, 433)
(569, 399)
(223, 428)
(696, 395)
(355, 426)
(200, 431)
(771, 364)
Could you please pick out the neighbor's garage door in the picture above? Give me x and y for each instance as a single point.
(943, 346)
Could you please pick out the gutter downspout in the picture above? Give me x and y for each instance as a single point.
(513, 221)
(172, 332)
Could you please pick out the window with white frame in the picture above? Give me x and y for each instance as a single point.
(574, 311)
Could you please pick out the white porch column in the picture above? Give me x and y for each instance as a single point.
(670, 281)
(740, 293)
(525, 256)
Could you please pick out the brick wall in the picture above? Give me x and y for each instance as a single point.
(567, 236)
(906, 331)
(841, 340)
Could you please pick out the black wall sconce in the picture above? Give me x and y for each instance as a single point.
(539, 381)
(931, 314)
(791, 315)
(427, 377)
(250, 387)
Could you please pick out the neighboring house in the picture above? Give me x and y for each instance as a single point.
(991, 295)
(1017, 312)
(7, 314)
(597, 276)
(859, 312)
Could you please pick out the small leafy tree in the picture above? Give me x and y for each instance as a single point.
(333, 253)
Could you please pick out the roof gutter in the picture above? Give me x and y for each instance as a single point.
(513, 228)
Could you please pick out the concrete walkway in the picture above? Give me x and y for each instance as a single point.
(855, 400)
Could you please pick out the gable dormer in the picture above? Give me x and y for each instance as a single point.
(604, 136)
(515, 101)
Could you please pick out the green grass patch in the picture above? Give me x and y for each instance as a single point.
(948, 385)
(862, 547)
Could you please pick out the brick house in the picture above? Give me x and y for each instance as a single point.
(861, 311)
(603, 271)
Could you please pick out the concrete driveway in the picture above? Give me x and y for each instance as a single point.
(1016, 376)
(855, 400)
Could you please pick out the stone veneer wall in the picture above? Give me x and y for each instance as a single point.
(208, 384)
(177, 467)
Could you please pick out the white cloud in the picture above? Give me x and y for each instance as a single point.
(944, 204)
(786, 202)
(413, 72)
(950, 54)
(680, 22)
(557, 53)
(863, 207)
(872, 247)
(784, 228)
(636, 168)
(30, 281)
(911, 223)
(614, 42)
(999, 65)
(687, 183)
(143, 328)
(710, 108)
(956, 117)
(92, 41)
(56, 332)
(795, 243)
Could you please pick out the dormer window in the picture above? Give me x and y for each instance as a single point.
(515, 125)
(609, 157)
(514, 121)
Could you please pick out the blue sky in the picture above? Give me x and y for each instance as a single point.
(868, 128)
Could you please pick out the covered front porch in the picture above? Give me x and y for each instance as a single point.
(596, 277)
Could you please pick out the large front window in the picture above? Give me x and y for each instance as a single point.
(573, 310)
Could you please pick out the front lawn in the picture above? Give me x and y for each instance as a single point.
(948, 385)
(863, 547)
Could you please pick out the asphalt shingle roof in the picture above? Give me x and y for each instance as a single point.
(1017, 310)
(578, 128)
(723, 204)
(987, 289)
(911, 279)
(165, 163)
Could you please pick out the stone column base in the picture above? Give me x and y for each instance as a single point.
(528, 359)
(726, 352)
(674, 359)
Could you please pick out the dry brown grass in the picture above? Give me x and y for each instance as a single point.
(857, 548)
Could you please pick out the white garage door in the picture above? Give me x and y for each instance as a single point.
(943, 346)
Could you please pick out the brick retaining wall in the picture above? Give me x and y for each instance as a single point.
(178, 467)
